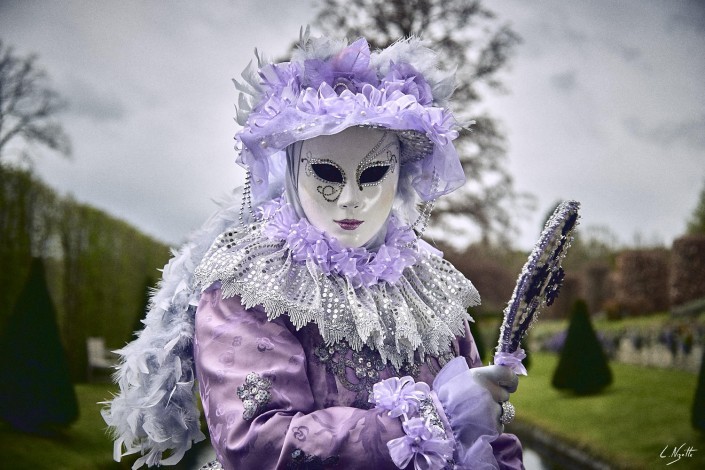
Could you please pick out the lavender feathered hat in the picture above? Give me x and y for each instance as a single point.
(329, 86)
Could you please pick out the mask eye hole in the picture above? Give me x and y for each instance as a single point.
(373, 174)
(328, 172)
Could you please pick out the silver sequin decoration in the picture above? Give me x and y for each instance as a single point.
(254, 394)
(212, 465)
(428, 411)
(421, 313)
(414, 145)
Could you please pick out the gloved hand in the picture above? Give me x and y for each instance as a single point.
(500, 381)
(471, 401)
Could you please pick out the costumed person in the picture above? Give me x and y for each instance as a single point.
(320, 328)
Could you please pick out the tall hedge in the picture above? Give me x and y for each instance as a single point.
(582, 367)
(642, 281)
(96, 263)
(687, 268)
(36, 392)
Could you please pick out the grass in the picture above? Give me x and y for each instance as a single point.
(629, 425)
(85, 445)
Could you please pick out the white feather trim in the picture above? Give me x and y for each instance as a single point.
(156, 410)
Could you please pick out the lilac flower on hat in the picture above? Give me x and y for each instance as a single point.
(330, 86)
(405, 78)
(347, 70)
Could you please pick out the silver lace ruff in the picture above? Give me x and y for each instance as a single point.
(421, 313)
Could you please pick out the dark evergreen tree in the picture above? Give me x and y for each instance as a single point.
(36, 393)
(583, 366)
(698, 414)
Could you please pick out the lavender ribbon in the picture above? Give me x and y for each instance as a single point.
(512, 360)
(423, 443)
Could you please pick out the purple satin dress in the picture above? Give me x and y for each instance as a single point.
(279, 398)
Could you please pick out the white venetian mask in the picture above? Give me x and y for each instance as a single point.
(347, 182)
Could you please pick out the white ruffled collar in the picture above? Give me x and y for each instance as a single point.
(360, 266)
(400, 300)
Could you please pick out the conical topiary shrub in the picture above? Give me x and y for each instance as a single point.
(582, 367)
(698, 415)
(36, 393)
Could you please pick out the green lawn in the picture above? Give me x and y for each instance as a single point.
(629, 425)
(85, 445)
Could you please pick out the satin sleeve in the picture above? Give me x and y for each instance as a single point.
(506, 447)
(258, 402)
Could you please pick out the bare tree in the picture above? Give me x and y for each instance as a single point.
(467, 36)
(28, 105)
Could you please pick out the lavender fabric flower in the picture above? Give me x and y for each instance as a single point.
(425, 444)
(347, 70)
(405, 78)
(399, 396)
(360, 266)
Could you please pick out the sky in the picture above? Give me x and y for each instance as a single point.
(605, 104)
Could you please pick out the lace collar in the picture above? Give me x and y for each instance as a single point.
(399, 300)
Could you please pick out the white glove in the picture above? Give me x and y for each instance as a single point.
(500, 381)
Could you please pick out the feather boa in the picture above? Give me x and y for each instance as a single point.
(155, 413)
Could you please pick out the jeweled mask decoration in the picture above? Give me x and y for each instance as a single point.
(347, 182)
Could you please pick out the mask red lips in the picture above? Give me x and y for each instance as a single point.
(348, 224)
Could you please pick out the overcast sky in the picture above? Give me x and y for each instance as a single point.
(606, 104)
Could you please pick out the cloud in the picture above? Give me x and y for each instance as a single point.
(629, 53)
(687, 131)
(564, 81)
(690, 14)
(598, 97)
(86, 100)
